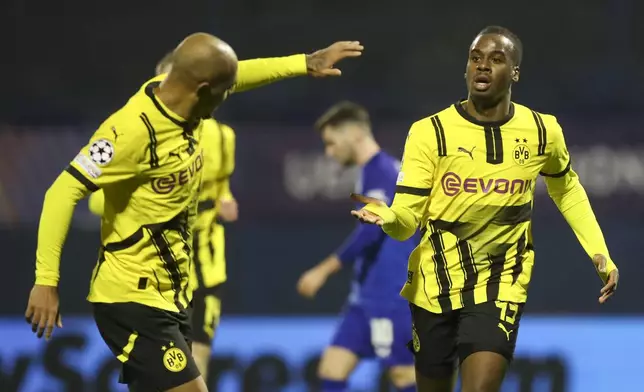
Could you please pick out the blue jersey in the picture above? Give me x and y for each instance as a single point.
(379, 262)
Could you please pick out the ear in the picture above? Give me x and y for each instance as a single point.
(203, 90)
(515, 74)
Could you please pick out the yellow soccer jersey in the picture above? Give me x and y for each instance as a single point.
(209, 247)
(148, 161)
(469, 187)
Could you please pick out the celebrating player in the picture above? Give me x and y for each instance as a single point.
(376, 322)
(216, 203)
(148, 158)
(467, 179)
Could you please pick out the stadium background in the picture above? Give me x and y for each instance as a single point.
(67, 65)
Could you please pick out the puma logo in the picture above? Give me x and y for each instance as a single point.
(507, 333)
(470, 152)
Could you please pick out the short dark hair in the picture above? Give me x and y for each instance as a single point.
(516, 42)
(165, 61)
(341, 113)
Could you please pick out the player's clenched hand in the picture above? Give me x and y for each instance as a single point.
(610, 285)
(322, 62)
(311, 282)
(365, 216)
(42, 310)
(228, 210)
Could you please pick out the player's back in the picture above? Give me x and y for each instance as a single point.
(477, 243)
(380, 272)
(150, 180)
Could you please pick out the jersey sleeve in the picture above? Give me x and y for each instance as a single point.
(558, 163)
(260, 72)
(571, 199)
(413, 185)
(108, 158)
(229, 164)
(112, 155)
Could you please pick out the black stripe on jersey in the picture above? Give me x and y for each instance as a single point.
(493, 145)
(561, 173)
(170, 263)
(440, 268)
(154, 157)
(196, 257)
(99, 264)
(410, 190)
(518, 263)
(440, 136)
(205, 205)
(125, 243)
(543, 136)
(496, 269)
(469, 270)
(81, 178)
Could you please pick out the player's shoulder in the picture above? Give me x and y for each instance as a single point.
(213, 126)
(433, 119)
(545, 120)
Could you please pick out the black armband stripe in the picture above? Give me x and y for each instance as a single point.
(560, 174)
(409, 190)
(81, 178)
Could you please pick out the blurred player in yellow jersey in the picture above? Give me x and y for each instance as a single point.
(216, 205)
(148, 159)
(467, 181)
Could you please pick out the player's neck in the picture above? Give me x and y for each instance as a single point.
(366, 150)
(174, 98)
(488, 111)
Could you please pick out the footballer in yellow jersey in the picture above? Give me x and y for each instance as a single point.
(216, 205)
(148, 158)
(467, 181)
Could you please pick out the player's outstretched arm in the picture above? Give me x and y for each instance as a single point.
(260, 72)
(401, 220)
(571, 199)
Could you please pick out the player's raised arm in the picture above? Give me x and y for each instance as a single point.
(570, 197)
(401, 220)
(107, 158)
(259, 72)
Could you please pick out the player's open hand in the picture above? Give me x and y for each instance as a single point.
(43, 310)
(610, 285)
(365, 216)
(322, 63)
(311, 282)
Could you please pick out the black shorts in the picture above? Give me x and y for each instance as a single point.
(206, 311)
(440, 340)
(152, 344)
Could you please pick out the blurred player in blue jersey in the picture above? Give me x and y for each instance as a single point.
(376, 321)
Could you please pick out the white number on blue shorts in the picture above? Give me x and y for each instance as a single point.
(382, 336)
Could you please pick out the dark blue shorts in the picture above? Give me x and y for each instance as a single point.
(376, 333)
